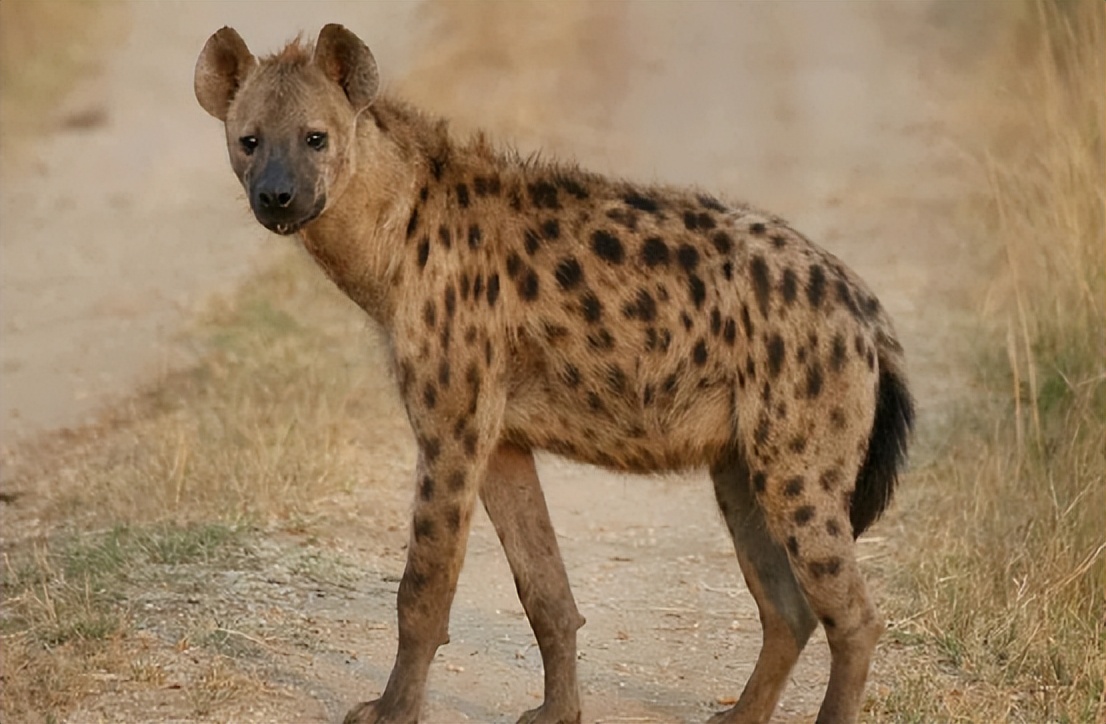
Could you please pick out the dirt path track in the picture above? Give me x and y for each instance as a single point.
(818, 111)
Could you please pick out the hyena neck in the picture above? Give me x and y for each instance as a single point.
(359, 241)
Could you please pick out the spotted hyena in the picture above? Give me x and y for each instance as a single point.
(535, 306)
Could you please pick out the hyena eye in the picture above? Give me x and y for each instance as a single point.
(248, 144)
(317, 140)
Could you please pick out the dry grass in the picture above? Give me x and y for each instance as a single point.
(267, 435)
(1007, 587)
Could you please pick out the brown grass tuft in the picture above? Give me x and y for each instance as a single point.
(1006, 591)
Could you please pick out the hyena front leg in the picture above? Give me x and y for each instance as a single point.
(516, 506)
(452, 461)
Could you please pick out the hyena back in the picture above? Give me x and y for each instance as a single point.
(534, 306)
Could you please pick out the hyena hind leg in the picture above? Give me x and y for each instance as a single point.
(515, 504)
(786, 619)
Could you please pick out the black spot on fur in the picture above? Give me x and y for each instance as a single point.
(709, 202)
(793, 488)
(686, 321)
(595, 403)
(722, 241)
(797, 444)
(775, 354)
(514, 265)
(426, 488)
(550, 229)
(469, 443)
(431, 449)
(830, 479)
(528, 285)
(514, 197)
(642, 307)
(828, 567)
(463, 195)
(699, 353)
(779, 241)
(625, 217)
(568, 273)
(816, 285)
(486, 185)
(845, 296)
(600, 340)
(803, 514)
(413, 222)
(701, 221)
(654, 252)
(456, 481)
(445, 237)
(764, 426)
(729, 331)
(616, 379)
(424, 252)
(571, 375)
(572, 187)
(839, 352)
(475, 236)
(450, 301)
(642, 203)
(760, 481)
(436, 166)
(757, 228)
(715, 321)
(493, 289)
(478, 286)
(688, 257)
(424, 528)
(607, 246)
(762, 283)
(833, 527)
(543, 195)
(531, 241)
(828, 621)
(793, 546)
(813, 380)
(647, 395)
(727, 271)
(443, 373)
(789, 286)
(430, 314)
(591, 307)
(837, 417)
(430, 395)
(424, 193)
(697, 290)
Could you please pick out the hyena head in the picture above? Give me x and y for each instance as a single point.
(291, 119)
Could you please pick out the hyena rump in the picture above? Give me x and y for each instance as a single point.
(533, 306)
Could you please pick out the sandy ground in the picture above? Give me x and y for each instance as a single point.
(822, 112)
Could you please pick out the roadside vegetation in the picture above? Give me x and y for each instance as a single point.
(1001, 578)
(249, 461)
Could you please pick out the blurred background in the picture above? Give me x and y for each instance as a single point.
(200, 449)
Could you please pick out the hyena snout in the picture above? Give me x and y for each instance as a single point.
(281, 200)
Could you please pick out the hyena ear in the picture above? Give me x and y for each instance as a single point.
(347, 61)
(223, 65)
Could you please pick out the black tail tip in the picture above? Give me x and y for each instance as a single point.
(887, 448)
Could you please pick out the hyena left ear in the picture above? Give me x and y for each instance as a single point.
(347, 61)
(222, 66)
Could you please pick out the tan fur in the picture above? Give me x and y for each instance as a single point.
(641, 328)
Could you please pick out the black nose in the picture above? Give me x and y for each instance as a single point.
(275, 198)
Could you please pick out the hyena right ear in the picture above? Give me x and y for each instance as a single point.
(223, 65)
(347, 61)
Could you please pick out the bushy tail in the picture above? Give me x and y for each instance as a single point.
(887, 445)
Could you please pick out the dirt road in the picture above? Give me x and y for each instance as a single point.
(822, 112)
